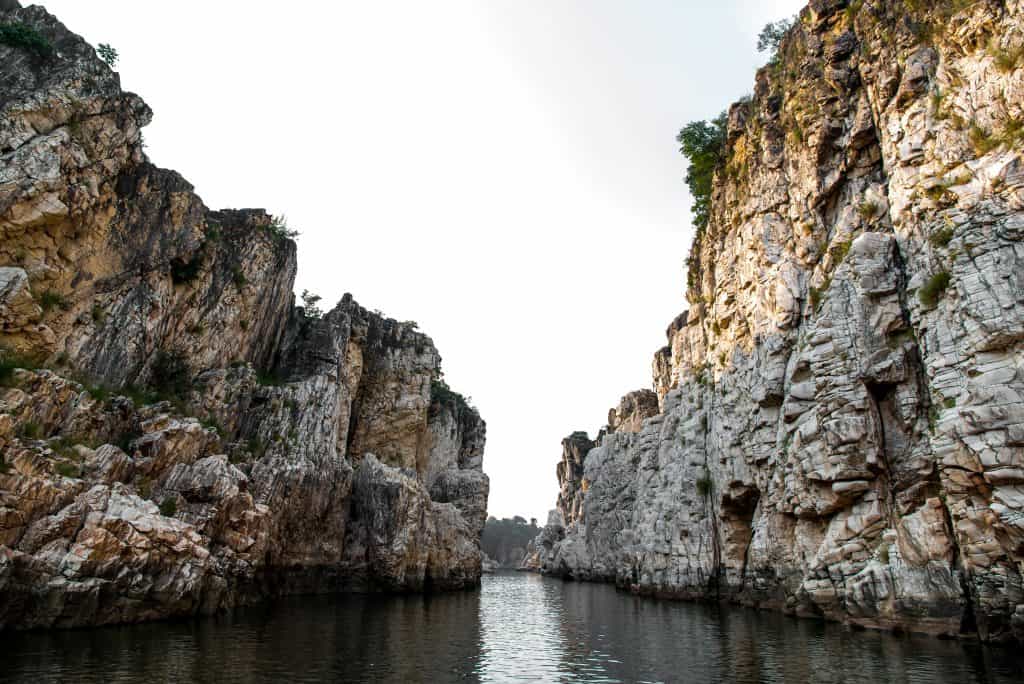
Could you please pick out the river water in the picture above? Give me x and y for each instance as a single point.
(518, 627)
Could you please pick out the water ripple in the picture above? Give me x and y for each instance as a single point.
(517, 628)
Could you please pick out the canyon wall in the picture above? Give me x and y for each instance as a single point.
(841, 423)
(176, 436)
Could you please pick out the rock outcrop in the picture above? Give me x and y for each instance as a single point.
(841, 425)
(176, 436)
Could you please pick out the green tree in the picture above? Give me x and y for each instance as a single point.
(310, 305)
(703, 143)
(108, 54)
(772, 34)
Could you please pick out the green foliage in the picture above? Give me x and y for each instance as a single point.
(98, 392)
(170, 375)
(108, 54)
(771, 36)
(68, 470)
(183, 271)
(125, 439)
(505, 540)
(212, 424)
(169, 507)
(703, 143)
(50, 300)
(441, 393)
(238, 277)
(99, 316)
(269, 379)
(23, 36)
(704, 484)
(256, 447)
(932, 290)
(840, 250)
(311, 305)
(949, 403)
(941, 236)
(1007, 60)
(278, 229)
(9, 362)
(30, 429)
(867, 209)
(982, 141)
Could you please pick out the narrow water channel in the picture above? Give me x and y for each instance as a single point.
(518, 627)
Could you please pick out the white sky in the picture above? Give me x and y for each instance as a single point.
(503, 172)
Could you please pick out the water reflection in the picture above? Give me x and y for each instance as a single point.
(516, 628)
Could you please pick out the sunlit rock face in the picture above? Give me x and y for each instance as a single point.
(841, 427)
(287, 452)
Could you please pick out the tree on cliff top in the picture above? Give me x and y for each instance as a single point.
(703, 143)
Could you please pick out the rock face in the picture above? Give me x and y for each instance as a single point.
(258, 449)
(841, 426)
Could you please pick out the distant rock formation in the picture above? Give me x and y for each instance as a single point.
(841, 424)
(176, 436)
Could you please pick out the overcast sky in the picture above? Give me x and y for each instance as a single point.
(504, 172)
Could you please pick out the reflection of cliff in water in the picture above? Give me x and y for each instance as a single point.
(518, 627)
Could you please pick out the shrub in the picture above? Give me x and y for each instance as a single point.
(108, 54)
(268, 379)
(170, 374)
(840, 250)
(941, 237)
(98, 314)
(1006, 59)
(238, 277)
(23, 36)
(772, 34)
(867, 209)
(704, 484)
(441, 393)
(982, 141)
(68, 470)
(169, 507)
(703, 143)
(212, 424)
(932, 290)
(51, 299)
(310, 305)
(30, 429)
(278, 229)
(98, 392)
(9, 362)
(257, 448)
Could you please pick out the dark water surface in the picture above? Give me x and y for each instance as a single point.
(518, 627)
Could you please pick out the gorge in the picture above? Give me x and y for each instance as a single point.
(833, 430)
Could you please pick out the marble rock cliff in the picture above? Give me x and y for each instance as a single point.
(176, 436)
(840, 429)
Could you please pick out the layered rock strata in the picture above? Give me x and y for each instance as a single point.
(841, 425)
(176, 436)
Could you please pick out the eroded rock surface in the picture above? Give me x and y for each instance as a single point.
(196, 441)
(841, 426)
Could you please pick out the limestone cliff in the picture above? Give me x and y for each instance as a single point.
(176, 436)
(841, 425)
